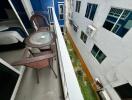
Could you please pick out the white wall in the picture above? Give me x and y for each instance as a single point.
(115, 48)
(28, 7)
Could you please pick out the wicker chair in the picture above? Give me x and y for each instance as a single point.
(37, 61)
(39, 20)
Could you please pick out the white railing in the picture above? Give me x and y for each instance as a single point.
(69, 80)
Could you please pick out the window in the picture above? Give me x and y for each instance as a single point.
(78, 4)
(115, 12)
(83, 37)
(50, 14)
(61, 0)
(8, 80)
(90, 11)
(62, 30)
(75, 27)
(124, 91)
(98, 54)
(70, 22)
(61, 11)
(118, 21)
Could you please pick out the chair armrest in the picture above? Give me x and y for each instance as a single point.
(33, 59)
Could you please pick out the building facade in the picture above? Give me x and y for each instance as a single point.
(101, 30)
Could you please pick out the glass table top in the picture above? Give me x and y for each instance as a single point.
(41, 38)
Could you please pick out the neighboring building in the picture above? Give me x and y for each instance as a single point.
(44, 6)
(59, 9)
(101, 30)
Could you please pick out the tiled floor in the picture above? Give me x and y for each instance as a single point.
(11, 56)
(49, 87)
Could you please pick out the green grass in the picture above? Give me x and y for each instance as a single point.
(86, 89)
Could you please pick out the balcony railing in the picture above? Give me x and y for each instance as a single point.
(69, 80)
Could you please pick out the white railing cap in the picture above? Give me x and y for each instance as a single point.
(74, 91)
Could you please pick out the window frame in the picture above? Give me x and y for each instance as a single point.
(62, 27)
(90, 11)
(119, 15)
(75, 27)
(87, 10)
(116, 22)
(97, 53)
(78, 6)
(60, 10)
(113, 25)
(50, 14)
(82, 37)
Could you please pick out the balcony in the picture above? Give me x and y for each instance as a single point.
(65, 87)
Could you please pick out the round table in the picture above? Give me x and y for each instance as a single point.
(40, 39)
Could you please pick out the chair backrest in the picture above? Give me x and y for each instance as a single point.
(40, 20)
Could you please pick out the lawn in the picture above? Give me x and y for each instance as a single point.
(85, 86)
(86, 89)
